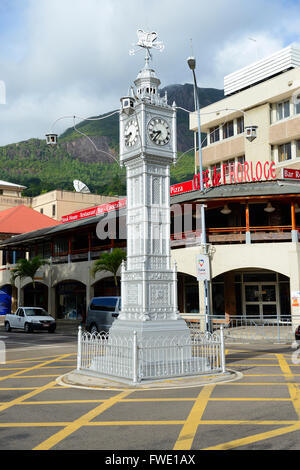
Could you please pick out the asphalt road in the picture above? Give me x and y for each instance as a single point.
(259, 411)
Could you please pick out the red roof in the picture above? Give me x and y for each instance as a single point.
(22, 219)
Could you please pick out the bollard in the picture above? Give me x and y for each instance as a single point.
(79, 348)
(222, 349)
(135, 358)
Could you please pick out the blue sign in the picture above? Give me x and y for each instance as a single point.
(5, 300)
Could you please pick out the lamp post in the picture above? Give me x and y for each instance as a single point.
(192, 65)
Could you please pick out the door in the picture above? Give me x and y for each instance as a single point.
(20, 318)
(261, 299)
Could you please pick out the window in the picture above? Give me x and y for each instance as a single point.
(297, 105)
(53, 210)
(214, 133)
(106, 304)
(240, 125)
(228, 130)
(241, 159)
(284, 152)
(297, 148)
(41, 211)
(272, 153)
(283, 110)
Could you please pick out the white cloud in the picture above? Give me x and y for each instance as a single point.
(71, 56)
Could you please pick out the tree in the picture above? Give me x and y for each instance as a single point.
(27, 268)
(110, 262)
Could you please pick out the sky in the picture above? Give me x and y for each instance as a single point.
(71, 57)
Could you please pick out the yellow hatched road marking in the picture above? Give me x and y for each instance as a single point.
(187, 434)
(294, 397)
(28, 369)
(255, 438)
(293, 387)
(82, 421)
(30, 394)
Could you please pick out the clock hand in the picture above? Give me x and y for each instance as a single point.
(157, 134)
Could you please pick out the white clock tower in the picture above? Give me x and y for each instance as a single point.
(147, 149)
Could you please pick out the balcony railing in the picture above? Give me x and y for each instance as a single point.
(233, 235)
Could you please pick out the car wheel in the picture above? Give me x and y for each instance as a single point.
(7, 326)
(94, 329)
(51, 330)
(28, 328)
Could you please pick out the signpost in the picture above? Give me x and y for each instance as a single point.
(203, 267)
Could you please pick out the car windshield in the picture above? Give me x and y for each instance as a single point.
(36, 312)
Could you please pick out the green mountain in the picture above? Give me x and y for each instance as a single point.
(34, 164)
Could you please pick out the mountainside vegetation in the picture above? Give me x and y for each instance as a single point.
(40, 168)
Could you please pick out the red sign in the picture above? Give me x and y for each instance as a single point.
(181, 188)
(236, 173)
(290, 174)
(111, 206)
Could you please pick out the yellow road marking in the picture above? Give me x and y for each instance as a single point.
(293, 387)
(82, 421)
(255, 438)
(250, 399)
(148, 423)
(30, 394)
(129, 400)
(37, 366)
(60, 402)
(294, 397)
(187, 434)
(34, 425)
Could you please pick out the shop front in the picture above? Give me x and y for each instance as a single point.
(70, 300)
(36, 295)
(261, 294)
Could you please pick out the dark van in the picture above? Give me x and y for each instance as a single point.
(101, 313)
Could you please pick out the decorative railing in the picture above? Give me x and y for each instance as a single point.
(233, 235)
(155, 358)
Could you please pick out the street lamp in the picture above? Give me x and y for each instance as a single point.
(192, 65)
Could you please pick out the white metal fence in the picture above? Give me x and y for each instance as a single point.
(156, 358)
(248, 329)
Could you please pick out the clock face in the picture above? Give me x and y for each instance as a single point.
(131, 133)
(159, 131)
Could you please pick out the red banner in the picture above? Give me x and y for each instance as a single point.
(181, 188)
(290, 174)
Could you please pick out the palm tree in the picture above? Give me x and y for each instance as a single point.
(110, 262)
(27, 268)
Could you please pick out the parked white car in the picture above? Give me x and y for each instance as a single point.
(30, 319)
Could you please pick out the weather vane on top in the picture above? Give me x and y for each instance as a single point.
(147, 41)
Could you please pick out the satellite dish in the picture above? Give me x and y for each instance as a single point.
(80, 187)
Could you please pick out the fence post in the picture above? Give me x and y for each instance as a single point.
(222, 350)
(135, 358)
(79, 346)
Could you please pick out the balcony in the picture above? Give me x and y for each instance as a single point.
(230, 235)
